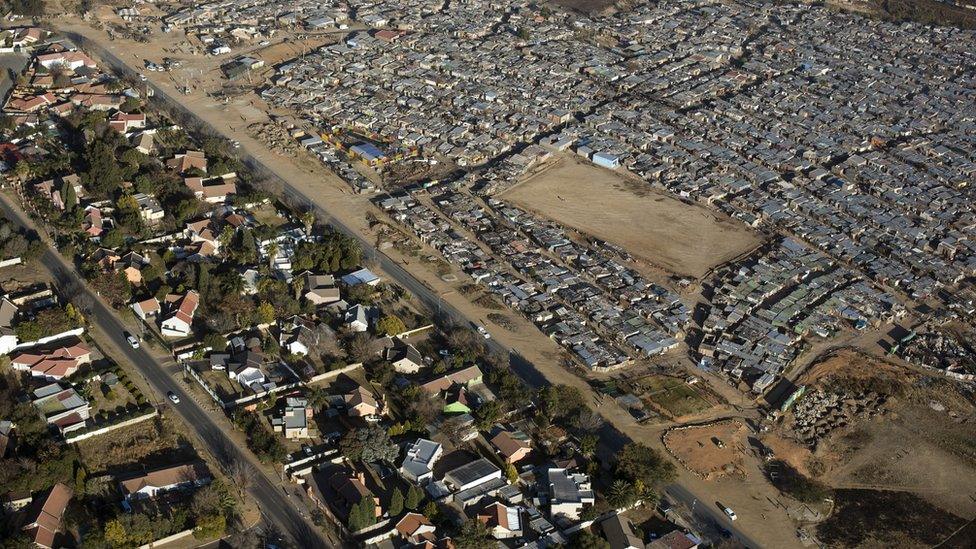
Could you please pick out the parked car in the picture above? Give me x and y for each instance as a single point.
(729, 513)
(133, 340)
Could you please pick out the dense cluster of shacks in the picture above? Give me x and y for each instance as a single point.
(858, 155)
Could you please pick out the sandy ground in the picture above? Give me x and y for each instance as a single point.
(712, 451)
(684, 239)
(923, 444)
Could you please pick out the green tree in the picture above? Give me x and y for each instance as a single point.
(68, 196)
(586, 539)
(211, 525)
(113, 239)
(488, 414)
(474, 535)
(370, 444)
(116, 534)
(103, 174)
(621, 494)
(432, 511)
(511, 473)
(414, 496)
(639, 462)
(396, 503)
(265, 313)
(390, 325)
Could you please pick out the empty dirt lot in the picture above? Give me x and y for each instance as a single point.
(684, 239)
(712, 451)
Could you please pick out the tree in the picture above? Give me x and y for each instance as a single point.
(396, 503)
(639, 462)
(511, 473)
(588, 444)
(586, 539)
(369, 444)
(103, 174)
(115, 533)
(362, 515)
(360, 347)
(621, 494)
(488, 414)
(414, 496)
(560, 401)
(265, 313)
(431, 511)
(68, 196)
(474, 535)
(588, 421)
(390, 325)
(113, 239)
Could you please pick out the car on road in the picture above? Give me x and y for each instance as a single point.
(133, 340)
(729, 513)
(172, 396)
(484, 333)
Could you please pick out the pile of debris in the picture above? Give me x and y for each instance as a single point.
(275, 137)
(821, 412)
(940, 351)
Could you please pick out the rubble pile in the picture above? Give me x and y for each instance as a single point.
(941, 351)
(275, 137)
(821, 412)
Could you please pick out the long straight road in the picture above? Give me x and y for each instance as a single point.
(296, 190)
(264, 489)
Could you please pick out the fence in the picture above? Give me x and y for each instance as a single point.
(109, 428)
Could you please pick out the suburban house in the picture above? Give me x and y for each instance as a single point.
(620, 533)
(153, 483)
(8, 337)
(674, 539)
(64, 408)
(501, 521)
(294, 419)
(185, 161)
(416, 528)
(52, 361)
(321, 289)
(362, 276)
(361, 403)
(512, 446)
(297, 333)
(213, 190)
(339, 490)
(132, 265)
(43, 522)
(125, 122)
(178, 318)
(360, 317)
(418, 464)
(247, 368)
(149, 208)
(468, 377)
(473, 481)
(568, 494)
(405, 358)
(146, 309)
(71, 60)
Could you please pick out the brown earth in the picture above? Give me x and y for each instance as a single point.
(684, 239)
(924, 443)
(712, 451)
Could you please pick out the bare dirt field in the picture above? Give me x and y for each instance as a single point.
(922, 442)
(711, 451)
(685, 239)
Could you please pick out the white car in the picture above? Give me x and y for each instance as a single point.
(484, 332)
(172, 396)
(730, 513)
(133, 341)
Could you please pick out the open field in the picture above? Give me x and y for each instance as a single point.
(147, 444)
(711, 451)
(673, 396)
(685, 239)
(921, 442)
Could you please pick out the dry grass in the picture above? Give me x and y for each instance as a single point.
(685, 239)
(711, 451)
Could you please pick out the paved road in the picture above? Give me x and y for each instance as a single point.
(264, 489)
(447, 314)
(706, 514)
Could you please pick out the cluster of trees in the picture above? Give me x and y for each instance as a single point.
(208, 513)
(369, 444)
(49, 322)
(334, 252)
(15, 242)
(260, 438)
(37, 462)
(362, 515)
(30, 8)
(638, 470)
